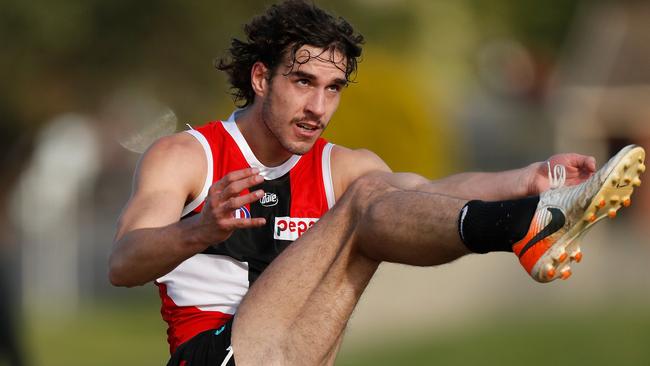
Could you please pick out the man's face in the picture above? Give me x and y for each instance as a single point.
(302, 97)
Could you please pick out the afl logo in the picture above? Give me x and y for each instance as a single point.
(269, 199)
(242, 213)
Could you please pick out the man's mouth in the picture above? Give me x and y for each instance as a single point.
(307, 126)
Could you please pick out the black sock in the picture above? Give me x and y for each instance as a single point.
(495, 226)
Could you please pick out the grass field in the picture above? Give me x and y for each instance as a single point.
(133, 334)
(604, 336)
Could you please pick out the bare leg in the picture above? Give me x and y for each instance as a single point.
(331, 358)
(296, 312)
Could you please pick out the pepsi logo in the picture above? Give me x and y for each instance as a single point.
(291, 228)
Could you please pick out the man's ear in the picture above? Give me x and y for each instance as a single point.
(259, 81)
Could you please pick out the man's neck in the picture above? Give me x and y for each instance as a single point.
(262, 142)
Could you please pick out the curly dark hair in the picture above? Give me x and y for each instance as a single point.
(285, 28)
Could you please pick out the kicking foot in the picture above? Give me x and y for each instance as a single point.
(565, 214)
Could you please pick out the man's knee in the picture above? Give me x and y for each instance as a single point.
(369, 189)
(365, 190)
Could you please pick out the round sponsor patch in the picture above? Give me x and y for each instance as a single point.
(242, 213)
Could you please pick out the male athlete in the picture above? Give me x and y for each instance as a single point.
(236, 221)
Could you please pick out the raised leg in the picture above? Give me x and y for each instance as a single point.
(296, 312)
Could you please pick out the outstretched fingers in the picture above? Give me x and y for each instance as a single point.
(225, 198)
(227, 208)
(236, 181)
(234, 223)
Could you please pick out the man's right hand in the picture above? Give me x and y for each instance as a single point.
(217, 220)
(151, 238)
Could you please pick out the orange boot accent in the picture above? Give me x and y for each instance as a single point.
(578, 257)
(550, 273)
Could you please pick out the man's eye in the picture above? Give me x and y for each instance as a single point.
(303, 82)
(334, 88)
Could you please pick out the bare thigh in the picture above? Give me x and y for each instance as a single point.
(297, 310)
(299, 306)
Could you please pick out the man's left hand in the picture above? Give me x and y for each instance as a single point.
(578, 169)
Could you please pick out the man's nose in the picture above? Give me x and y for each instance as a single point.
(316, 103)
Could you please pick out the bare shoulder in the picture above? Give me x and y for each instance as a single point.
(350, 164)
(178, 145)
(176, 156)
(169, 174)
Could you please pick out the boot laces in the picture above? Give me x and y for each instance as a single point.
(556, 176)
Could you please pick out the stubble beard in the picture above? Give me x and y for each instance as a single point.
(270, 121)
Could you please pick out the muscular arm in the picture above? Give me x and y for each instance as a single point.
(150, 240)
(495, 186)
(348, 165)
(528, 181)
